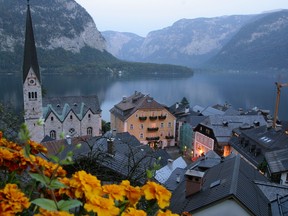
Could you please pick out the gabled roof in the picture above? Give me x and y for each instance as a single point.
(137, 101)
(164, 173)
(30, 54)
(234, 179)
(223, 125)
(79, 105)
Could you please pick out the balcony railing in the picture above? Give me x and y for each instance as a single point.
(152, 138)
(142, 118)
(152, 118)
(169, 137)
(162, 117)
(152, 129)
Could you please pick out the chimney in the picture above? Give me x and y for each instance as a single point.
(187, 109)
(177, 105)
(170, 163)
(110, 146)
(194, 181)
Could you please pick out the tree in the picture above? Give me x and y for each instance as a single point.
(10, 121)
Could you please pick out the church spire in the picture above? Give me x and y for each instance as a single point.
(30, 54)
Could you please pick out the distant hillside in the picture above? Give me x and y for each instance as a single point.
(188, 42)
(261, 44)
(67, 39)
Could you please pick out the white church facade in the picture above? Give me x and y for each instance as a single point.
(73, 116)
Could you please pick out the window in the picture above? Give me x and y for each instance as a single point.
(89, 131)
(131, 126)
(71, 130)
(32, 95)
(169, 124)
(53, 134)
(141, 136)
(52, 118)
(71, 117)
(162, 125)
(89, 115)
(142, 126)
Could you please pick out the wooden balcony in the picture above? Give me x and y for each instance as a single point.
(169, 137)
(162, 117)
(152, 129)
(152, 118)
(142, 118)
(152, 138)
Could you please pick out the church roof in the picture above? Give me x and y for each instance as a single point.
(61, 106)
(30, 54)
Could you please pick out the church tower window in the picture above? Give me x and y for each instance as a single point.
(53, 134)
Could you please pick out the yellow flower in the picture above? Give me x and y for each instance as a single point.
(134, 212)
(36, 148)
(82, 185)
(153, 190)
(166, 213)
(102, 206)
(12, 200)
(132, 193)
(114, 191)
(44, 212)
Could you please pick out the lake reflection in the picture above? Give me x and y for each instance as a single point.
(245, 90)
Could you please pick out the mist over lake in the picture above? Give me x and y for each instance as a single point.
(205, 88)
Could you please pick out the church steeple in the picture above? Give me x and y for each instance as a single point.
(30, 54)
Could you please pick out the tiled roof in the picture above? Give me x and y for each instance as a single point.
(137, 101)
(223, 125)
(235, 177)
(277, 160)
(61, 106)
(164, 173)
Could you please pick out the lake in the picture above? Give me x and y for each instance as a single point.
(240, 89)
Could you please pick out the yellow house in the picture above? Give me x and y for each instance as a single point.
(150, 122)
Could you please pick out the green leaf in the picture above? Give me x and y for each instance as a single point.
(54, 158)
(65, 205)
(55, 184)
(27, 150)
(41, 178)
(149, 174)
(45, 204)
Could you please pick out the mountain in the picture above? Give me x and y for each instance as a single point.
(188, 42)
(261, 44)
(61, 28)
(67, 40)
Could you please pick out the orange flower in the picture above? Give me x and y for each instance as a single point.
(134, 212)
(101, 206)
(132, 193)
(12, 200)
(44, 212)
(152, 190)
(81, 185)
(114, 191)
(36, 148)
(47, 167)
(166, 213)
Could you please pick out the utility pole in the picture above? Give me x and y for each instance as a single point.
(279, 86)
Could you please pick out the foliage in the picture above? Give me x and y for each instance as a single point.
(32, 185)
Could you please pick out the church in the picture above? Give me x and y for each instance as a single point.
(69, 116)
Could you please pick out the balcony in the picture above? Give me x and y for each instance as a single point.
(152, 129)
(152, 138)
(152, 118)
(169, 137)
(162, 117)
(142, 118)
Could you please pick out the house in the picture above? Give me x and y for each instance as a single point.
(142, 116)
(112, 157)
(258, 145)
(215, 132)
(69, 115)
(225, 189)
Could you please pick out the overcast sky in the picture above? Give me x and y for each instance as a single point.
(142, 16)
